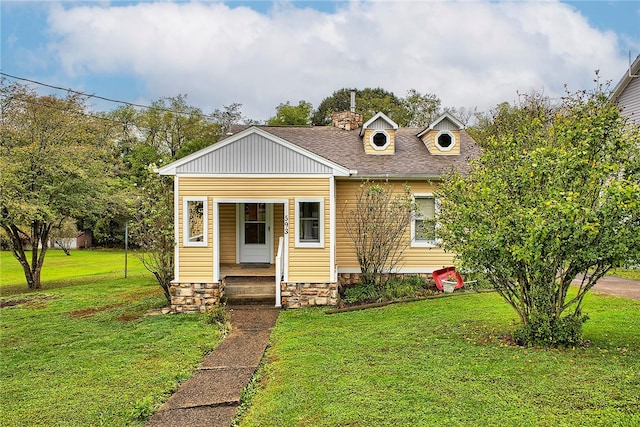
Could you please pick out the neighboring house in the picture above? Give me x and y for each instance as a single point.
(83, 240)
(627, 92)
(272, 197)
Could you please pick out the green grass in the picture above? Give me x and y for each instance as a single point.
(61, 270)
(626, 273)
(81, 351)
(445, 362)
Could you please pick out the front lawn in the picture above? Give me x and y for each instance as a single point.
(445, 362)
(60, 270)
(81, 350)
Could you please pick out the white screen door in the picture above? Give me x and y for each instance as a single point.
(255, 232)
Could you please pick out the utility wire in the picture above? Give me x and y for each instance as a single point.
(148, 107)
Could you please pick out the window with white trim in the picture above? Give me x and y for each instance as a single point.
(380, 140)
(445, 140)
(424, 227)
(194, 224)
(309, 226)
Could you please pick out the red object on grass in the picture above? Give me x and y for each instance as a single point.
(447, 273)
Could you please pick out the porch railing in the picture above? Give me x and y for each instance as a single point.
(279, 270)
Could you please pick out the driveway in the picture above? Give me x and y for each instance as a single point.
(617, 286)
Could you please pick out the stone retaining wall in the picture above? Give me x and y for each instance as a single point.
(297, 295)
(188, 297)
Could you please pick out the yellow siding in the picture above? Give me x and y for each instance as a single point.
(305, 264)
(310, 264)
(228, 230)
(368, 148)
(413, 258)
(430, 140)
(196, 263)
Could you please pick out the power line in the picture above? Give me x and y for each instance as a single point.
(148, 107)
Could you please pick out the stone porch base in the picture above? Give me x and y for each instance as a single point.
(194, 297)
(297, 295)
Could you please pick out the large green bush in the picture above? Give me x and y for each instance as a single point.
(555, 195)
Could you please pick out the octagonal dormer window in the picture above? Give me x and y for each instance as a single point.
(445, 140)
(380, 140)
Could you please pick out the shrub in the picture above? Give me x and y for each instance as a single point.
(546, 331)
(361, 293)
(394, 288)
(405, 287)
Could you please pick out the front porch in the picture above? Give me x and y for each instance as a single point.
(249, 284)
(249, 269)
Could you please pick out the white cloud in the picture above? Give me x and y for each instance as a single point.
(467, 53)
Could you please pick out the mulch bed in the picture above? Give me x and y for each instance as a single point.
(356, 307)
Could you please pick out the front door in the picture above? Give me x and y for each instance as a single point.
(255, 232)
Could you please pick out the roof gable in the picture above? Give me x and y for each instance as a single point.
(626, 94)
(631, 73)
(381, 121)
(254, 151)
(444, 122)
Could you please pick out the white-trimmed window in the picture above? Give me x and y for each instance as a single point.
(309, 227)
(380, 140)
(445, 140)
(194, 224)
(424, 227)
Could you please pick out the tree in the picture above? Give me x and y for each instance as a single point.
(171, 122)
(421, 109)
(55, 165)
(292, 115)
(152, 228)
(555, 195)
(466, 116)
(125, 132)
(377, 225)
(368, 102)
(230, 115)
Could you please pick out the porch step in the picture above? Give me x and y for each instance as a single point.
(250, 290)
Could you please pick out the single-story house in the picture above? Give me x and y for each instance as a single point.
(269, 199)
(626, 93)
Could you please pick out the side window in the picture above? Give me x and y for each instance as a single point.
(195, 221)
(310, 223)
(424, 227)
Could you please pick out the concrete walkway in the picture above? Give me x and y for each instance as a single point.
(212, 395)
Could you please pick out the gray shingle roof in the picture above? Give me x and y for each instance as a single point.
(346, 148)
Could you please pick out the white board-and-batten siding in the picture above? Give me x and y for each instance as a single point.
(380, 124)
(254, 154)
(446, 124)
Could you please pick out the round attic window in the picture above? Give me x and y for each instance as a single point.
(380, 140)
(445, 140)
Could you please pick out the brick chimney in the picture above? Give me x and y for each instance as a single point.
(348, 120)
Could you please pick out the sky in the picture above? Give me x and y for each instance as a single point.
(264, 53)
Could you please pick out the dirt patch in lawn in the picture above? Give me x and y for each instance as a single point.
(33, 301)
(12, 303)
(86, 312)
